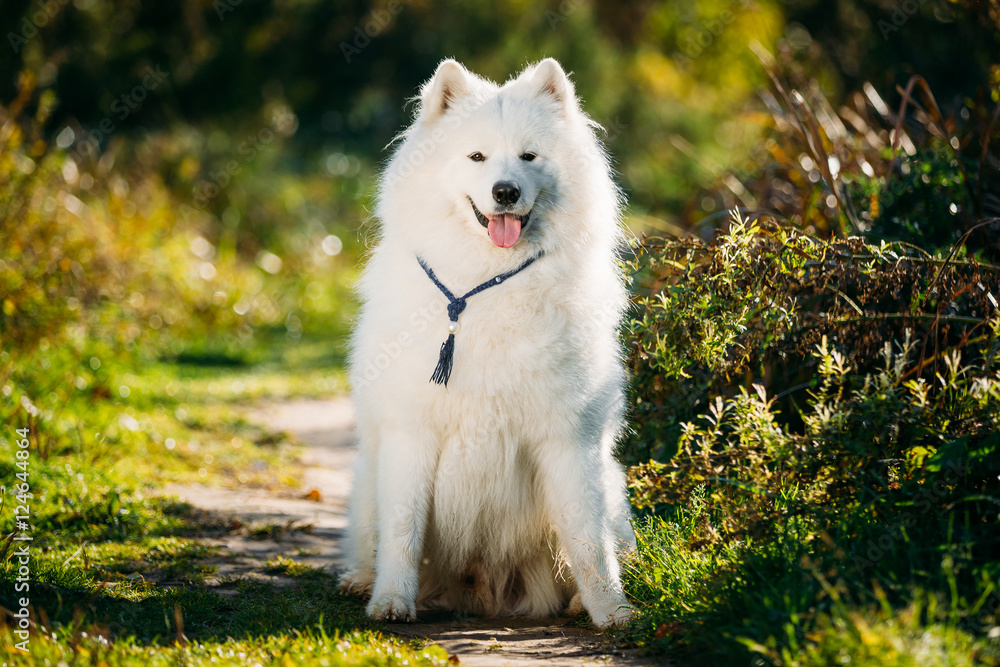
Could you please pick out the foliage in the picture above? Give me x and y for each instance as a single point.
(883, 471)
(913, 174)
(108, 250)
(750, 307)
(812, 406)
(43, 247)
(871, 446)
(105, 254)
(821, 401)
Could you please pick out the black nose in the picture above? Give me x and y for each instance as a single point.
(506, 193)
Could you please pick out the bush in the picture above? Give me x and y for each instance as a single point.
(823, 419)
(751, 306)
(721, 335)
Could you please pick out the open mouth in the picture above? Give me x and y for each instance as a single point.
(504, 228)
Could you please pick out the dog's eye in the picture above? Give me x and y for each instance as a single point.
(477, 157)
(528, 157)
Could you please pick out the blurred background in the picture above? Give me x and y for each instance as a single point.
(208, 165)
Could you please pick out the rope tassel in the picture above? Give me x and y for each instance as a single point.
(456, 304)
(443, 369)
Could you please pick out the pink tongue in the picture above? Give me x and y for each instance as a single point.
(504, 230)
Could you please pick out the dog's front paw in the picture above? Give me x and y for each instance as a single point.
(614, 618)
(357, 583)
(389, 607)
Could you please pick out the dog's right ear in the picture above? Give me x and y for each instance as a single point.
(450, 83)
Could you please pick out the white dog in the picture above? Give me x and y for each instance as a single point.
(486, 368)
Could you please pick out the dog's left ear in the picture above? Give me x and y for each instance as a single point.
(549, 79)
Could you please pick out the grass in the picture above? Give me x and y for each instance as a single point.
(146, 600)
(118, 574)
(708, 602)
(313, 646)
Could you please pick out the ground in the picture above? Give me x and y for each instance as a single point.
(314, 517)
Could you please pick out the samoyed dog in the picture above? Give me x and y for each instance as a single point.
(486, 370)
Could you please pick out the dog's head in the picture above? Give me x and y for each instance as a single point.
(503, 160)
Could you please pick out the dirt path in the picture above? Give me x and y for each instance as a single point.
(326, 428)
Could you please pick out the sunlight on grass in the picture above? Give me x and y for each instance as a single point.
(313, 646)
(116, 570)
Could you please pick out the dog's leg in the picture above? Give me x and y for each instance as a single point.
(360, 542)
(619, 511)
(575, 496)
(402, 498)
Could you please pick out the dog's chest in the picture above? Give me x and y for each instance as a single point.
(486, 479)
(523, 347)
(505, 334)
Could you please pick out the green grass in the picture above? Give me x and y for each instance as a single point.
(314, 645)
(790, 601)
(144, 599)
(118, 574)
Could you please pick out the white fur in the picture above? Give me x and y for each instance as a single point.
(475, 496)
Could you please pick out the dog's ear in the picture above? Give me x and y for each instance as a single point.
(549, 79)
(450, 83)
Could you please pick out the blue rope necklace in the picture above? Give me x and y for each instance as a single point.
(456, 304)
